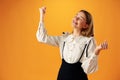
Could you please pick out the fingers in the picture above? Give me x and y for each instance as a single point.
(104, 45)
(42, 10)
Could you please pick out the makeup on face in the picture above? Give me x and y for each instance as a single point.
(79, 18)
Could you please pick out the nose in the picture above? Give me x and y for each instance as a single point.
(74, 18)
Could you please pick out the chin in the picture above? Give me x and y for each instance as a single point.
(74, 26)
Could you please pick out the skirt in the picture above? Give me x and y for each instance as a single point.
(73, 71)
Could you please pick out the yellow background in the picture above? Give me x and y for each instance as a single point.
(22, 57)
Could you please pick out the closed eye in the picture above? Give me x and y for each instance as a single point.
(82, 18)
(77, 18)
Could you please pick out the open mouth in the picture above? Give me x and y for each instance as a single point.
(75, 22)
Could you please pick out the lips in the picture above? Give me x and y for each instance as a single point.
(76, 23)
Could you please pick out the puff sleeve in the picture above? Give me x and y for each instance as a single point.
(90, 63)
(43, 37)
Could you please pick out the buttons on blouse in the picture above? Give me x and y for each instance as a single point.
(71, 46)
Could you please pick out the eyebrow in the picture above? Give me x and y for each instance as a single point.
(82, 17)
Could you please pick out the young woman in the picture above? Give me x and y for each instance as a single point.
(78, 49)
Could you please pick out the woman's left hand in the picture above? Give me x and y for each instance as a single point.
(102, 46)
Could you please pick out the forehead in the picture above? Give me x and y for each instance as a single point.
(81, 14)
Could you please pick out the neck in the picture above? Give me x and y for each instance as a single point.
(76, 32)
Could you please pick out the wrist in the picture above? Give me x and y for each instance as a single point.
(41, 18)
(97, 51)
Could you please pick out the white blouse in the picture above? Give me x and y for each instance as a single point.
(73, 48)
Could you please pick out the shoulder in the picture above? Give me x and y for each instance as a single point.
(65, 36)
(89, 39)
(65, 33)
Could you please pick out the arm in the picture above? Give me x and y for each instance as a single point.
(41, 33)
(90, 63)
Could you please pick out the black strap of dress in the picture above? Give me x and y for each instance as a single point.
(63, 48)
(82, 52)
(87, 48)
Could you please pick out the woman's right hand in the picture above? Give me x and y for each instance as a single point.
(42, 10)
(42, 13)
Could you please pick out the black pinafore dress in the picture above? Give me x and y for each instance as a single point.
(71, 71)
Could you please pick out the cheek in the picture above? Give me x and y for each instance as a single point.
(83, 24)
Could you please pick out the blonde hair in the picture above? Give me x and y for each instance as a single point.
(88, 32)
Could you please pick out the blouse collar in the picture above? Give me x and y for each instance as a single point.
(71, 38)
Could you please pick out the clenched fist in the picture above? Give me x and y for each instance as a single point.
(42, 13)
